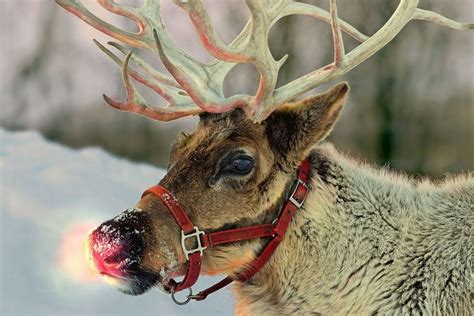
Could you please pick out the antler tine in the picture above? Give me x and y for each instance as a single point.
(179, 106)
(437, 18)
(159, 76)
(263, 59)
(128, 12)
(206, 95)
(208, 36)
(159, 85)
(138, 40)
(338, 43)
(298, 8)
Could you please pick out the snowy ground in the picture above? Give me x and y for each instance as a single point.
(50, 195)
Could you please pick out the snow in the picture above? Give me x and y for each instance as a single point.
(50, 195)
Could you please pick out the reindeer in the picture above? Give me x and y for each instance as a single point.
(256, 194)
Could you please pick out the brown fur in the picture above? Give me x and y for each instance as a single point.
(278, 145)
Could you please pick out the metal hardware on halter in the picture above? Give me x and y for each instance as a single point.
(197, 233)
(188, 297)
(276, 230)
(292, 196)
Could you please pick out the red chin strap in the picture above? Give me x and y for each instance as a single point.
(276, 230)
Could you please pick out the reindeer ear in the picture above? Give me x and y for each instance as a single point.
(295, 128)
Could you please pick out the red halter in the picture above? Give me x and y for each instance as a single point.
(275, 231)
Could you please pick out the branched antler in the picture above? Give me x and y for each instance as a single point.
(195, 87)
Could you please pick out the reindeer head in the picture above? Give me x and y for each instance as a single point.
(231, 172)
(236, 168)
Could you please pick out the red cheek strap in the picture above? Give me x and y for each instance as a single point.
(187, 230)
(275, 231)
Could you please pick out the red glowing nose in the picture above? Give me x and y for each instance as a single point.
(107, 254)
(116, 246)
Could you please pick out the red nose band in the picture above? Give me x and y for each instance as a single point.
(275, 230)
(187, 231)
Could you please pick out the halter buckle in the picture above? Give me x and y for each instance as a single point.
(292, 196)
(197, 233)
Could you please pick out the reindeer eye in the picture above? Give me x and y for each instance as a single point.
(242, 165)
(236, 164)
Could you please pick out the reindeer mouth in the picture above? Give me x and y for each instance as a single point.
(127, 276)
(132, 283)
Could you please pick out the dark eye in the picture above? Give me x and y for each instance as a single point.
(236, 164)
(233, 165)
(242, 165)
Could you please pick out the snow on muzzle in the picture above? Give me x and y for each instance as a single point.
(116, 248)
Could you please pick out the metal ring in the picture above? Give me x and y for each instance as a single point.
(188, 298)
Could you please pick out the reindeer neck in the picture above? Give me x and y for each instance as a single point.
(309, 270)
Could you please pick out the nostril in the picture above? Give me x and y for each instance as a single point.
(115, 258)
(109, 261)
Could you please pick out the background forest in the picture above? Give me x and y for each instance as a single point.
(410, 107)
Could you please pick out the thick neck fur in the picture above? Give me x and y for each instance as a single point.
(368, 241)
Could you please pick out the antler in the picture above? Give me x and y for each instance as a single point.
(195, 87)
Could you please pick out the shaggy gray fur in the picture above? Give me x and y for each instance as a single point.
(371, 242)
